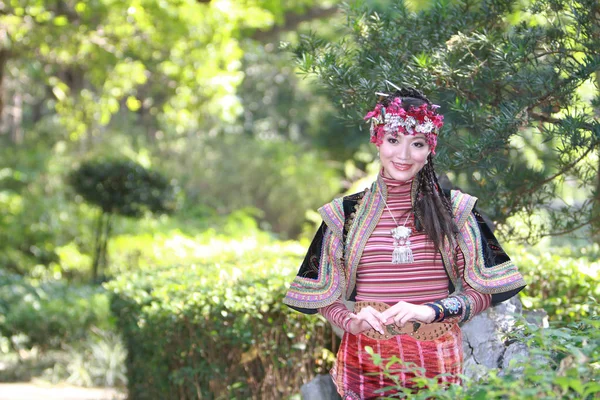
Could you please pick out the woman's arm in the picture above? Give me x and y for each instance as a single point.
(464, 305)
(461, 306)
(339, 315)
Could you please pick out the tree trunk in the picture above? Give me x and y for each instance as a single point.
(104, 252)
(97, 246)
(3, 60)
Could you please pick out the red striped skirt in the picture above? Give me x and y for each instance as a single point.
(357, 377)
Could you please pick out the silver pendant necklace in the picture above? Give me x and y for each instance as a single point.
(402, 252)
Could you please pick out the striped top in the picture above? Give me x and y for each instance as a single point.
(425, 280)
(377, 279)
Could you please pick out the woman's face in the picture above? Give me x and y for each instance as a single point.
(402, 156)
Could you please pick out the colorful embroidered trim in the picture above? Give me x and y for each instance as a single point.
(489, 280)
(327, 288)
(365, 221)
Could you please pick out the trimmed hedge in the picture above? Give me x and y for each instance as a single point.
(219, 329)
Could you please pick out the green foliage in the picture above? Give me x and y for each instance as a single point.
(50, 314)
(518, 88)
(174, 64)
(120, 187)
(280, 179)
(218, 329)
(98, 361)
(36, 214)
(558, 282)
(278, 104)
(149, 244)
(562, 363)
(123, 187)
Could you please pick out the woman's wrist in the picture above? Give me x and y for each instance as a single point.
(437, 311)
(347, 321)
(431, 314)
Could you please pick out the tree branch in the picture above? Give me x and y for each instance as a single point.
(556, 121)
(591, 221)
(292, 20)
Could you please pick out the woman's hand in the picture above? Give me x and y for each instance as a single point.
(403, 312)
(366, 319)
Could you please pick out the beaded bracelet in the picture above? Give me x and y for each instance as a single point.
(445, 308)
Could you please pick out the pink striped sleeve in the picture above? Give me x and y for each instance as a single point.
(336, 313)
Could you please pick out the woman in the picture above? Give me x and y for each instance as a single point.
(416, 260)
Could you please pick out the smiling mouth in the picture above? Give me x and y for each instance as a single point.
(402, 167)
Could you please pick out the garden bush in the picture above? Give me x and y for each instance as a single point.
(50, 314)
(558, 280)
(218, 329)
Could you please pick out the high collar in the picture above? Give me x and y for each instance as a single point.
(395, 187)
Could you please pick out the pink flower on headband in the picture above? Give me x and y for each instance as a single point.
(395, 119)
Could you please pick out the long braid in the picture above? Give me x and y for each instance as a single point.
(434, 209)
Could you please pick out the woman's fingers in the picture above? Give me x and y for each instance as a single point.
(399, 314)
(403, 312)
(375, 323)
(373, 318)
(391, 313)
(402, 318)
(405, 318)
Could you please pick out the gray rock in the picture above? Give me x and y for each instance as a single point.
(320, 388)
(483, 337)
(537, 317)
(516, 352)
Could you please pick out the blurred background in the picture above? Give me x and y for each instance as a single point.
(161, 163)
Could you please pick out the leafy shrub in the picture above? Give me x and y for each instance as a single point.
(119, 187)
(98, 361)
(177, 242)
(123, 187)
(562, 364)
(50, 314)
(558, 281)
(218, 329)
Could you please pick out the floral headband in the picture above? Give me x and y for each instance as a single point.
(394, 119)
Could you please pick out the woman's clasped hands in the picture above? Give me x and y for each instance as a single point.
(399, 314)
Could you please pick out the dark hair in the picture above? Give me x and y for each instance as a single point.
(433, 209)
